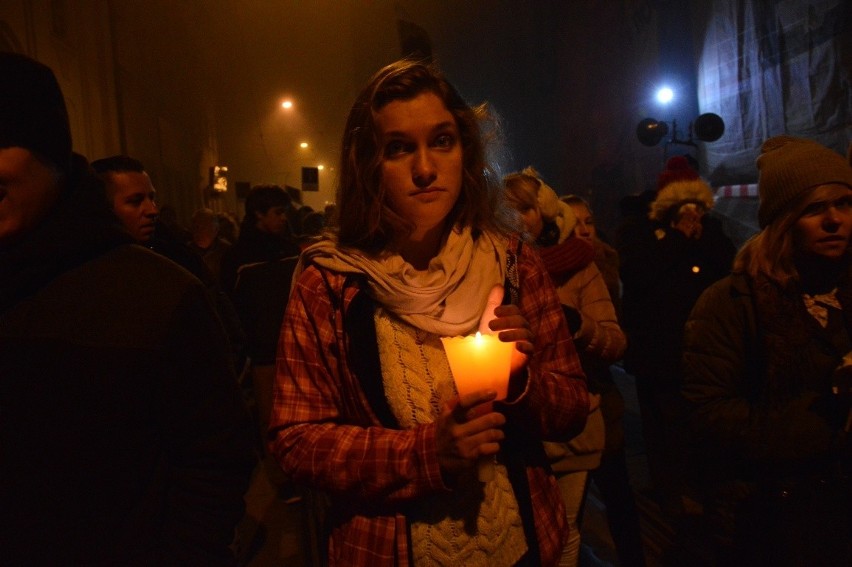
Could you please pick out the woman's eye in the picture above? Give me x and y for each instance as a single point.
(843, 204)
(815, 209)
(444, 141)
(394, 148)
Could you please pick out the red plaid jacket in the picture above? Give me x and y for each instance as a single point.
(326, 433)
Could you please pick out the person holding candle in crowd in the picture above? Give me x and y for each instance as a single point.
(591, 318)
(365, 407)
(768, 368)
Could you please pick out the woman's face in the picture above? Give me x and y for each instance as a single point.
(532, 220)
(585, 228)
(825, 226)
(421, 163)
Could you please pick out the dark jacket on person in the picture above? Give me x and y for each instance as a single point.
(758, 374)
(166, 243)
(123, 436)
(768, 429)
(663, 273)
(254, 246)
(260, 298)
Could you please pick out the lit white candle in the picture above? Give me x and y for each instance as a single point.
(480, 362)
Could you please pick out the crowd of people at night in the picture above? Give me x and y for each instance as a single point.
(148, 370)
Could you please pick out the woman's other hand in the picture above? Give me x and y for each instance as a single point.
(507, 322)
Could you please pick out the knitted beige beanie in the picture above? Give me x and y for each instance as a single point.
(790, 166)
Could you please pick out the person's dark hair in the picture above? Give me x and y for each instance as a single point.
(117, 164)
(228, 226)
(369, 224)
(313, 224)
(260, 199)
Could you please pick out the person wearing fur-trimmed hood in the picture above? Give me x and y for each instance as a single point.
(666, 263)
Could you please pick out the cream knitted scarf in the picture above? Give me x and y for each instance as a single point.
(447, 299)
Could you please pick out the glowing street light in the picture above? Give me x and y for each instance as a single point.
(287, 104)
(303, 145)
(665, 95)
(320, 167)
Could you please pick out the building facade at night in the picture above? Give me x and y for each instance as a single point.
(190, 85)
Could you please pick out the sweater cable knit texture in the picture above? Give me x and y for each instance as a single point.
(478, 524)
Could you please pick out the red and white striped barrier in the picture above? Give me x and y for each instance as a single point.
(745, 190)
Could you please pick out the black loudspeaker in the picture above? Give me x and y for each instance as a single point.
(708, 127)
(650, 131)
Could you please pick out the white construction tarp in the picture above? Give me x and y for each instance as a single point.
(770, 68)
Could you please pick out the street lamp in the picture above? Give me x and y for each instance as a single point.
(665, 95)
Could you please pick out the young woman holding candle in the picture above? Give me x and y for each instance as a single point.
(365, 408)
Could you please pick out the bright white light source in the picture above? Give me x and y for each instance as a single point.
(665, 95)
(303, 145)
(287, 104)
(320, 167)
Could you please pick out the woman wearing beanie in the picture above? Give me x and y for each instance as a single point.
(767, 370)
(591, 319)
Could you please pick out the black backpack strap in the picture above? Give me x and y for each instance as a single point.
(363, 354)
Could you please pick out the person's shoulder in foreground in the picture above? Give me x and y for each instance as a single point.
(124, 436)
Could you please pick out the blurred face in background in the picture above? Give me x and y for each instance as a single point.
(28, 190)
(522, 195)
(134, 202)
(531, 215)
(273, 221)
(825, 226)
(585, 228)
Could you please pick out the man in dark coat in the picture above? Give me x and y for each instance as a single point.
(123, 437)
(131, 196)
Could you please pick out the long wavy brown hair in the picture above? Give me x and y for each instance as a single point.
(364, 219)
